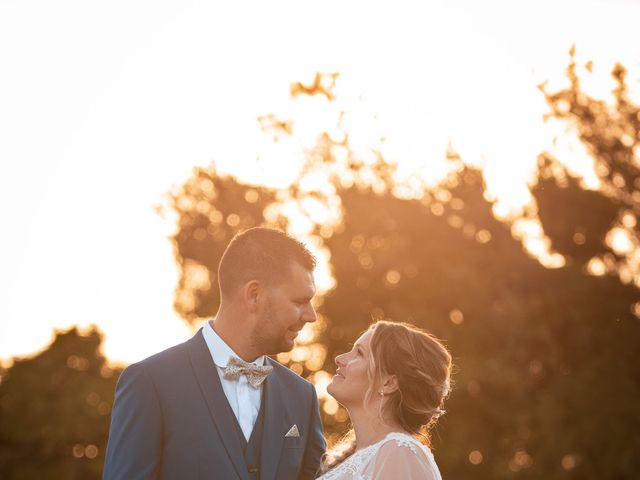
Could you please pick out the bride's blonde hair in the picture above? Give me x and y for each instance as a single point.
(422, 366)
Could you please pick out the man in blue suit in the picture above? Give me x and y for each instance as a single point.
(216, 406)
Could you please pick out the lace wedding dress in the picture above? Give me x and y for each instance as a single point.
(396, 456)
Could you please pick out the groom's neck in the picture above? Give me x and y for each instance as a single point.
(234, 332)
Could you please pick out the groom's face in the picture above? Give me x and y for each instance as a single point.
(286, 309)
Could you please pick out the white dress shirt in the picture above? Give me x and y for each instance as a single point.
(243, 398)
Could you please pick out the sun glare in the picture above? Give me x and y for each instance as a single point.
(117, 130)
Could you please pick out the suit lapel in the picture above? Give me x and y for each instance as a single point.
(276, 424)
(207, 376)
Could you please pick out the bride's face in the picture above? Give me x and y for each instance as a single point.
(350, 383)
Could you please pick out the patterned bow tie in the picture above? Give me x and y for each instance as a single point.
(255, 374)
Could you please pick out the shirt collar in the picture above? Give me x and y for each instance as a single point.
(220, 351)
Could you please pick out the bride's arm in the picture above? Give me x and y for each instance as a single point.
(404, 460)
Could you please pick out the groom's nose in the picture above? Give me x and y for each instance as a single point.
(309, 314)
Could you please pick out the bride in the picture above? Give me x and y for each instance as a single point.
(393, 383)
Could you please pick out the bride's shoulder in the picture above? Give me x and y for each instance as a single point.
(401, 440)
(402, 454)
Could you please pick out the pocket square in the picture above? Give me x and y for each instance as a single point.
(293, 432)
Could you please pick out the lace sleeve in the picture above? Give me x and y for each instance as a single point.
(400, 458)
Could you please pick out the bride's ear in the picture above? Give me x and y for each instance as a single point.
(389, 384)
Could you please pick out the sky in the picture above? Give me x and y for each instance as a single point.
(104, 106)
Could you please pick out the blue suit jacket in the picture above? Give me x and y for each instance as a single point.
(169, 421)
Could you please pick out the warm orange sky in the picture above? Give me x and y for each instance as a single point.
(105, 105)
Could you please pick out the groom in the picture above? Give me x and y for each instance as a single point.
(216, 406)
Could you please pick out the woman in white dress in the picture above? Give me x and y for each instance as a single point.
(393, 383)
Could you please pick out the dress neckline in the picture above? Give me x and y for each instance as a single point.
(386, 437)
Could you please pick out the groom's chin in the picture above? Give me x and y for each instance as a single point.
(287, 344)
(284, 346)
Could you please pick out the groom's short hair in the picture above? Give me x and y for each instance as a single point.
(263, 254)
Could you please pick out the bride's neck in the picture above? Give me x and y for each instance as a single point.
(369, 428)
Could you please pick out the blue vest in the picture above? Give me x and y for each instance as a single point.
(251, 449)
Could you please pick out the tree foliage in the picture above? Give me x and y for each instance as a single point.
(546, 380)
(546, 376)
(55, 410)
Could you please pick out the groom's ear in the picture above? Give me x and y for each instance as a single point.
(251, 294)
(390, 384)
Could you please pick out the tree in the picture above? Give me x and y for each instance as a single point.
(545, 357)
(55, 410)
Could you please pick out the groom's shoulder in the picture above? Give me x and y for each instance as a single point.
(170, 356)
(290, 377)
